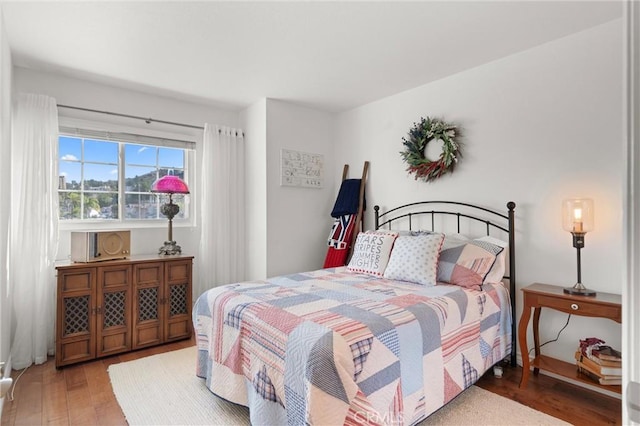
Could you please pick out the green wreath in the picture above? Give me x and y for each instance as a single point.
(419, 136)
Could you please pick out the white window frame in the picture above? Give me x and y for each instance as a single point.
(121, 223)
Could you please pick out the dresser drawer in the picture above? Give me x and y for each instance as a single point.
(582, 307)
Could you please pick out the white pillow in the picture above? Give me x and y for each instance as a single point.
(413, 233)
(415, 258)
(496, 273)
(371, 252)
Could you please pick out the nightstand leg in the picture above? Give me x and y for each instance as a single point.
(522, 340)
(536, 336)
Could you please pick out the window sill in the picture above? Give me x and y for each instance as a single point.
(107, 225)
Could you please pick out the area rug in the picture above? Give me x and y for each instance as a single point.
(163, 390)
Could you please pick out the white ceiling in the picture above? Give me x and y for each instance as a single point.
(328, 55)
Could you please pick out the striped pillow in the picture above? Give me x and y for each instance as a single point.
(466, 263)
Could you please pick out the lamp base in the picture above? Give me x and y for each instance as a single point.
(579, 290)
(170, 248)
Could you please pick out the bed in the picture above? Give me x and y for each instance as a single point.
(384, 340)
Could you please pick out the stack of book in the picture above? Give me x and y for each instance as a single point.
(603, 365)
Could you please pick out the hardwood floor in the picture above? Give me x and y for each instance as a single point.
(571, 403)
(82, 394)
(75, 395)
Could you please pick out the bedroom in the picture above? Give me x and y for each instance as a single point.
(549, 117)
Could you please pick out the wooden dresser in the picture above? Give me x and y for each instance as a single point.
(116, 306)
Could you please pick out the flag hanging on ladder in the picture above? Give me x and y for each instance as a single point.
(347, 213)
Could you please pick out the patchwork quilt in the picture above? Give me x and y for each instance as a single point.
(337, 347)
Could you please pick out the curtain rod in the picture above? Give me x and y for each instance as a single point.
(146, 120)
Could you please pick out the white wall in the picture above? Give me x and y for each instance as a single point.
(539, 126)
(286, 226)
(86, 94)
(277, 236)
(298, 219)
(5, 177)
(254, 122)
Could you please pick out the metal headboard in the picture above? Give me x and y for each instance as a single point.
(491, 219)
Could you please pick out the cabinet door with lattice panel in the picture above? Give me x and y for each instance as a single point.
(113, 319)
(76, 310)
(148, 316)
(177, 302)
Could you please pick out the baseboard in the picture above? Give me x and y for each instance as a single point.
(6, 374)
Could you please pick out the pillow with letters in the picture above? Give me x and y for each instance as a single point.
(466, 262)
(415, 258)
(371, 252)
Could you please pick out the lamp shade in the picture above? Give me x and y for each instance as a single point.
(170, 184)
(577, 215)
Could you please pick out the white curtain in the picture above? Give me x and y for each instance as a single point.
(33, 239)
(221, 254)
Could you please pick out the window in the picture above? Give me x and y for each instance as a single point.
(107, 179)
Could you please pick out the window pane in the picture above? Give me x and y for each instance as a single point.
(69, 175)
(141, 155)
(100, 205)
(100, 151)
(141, 206)
(171, 157)
(177, 199)
(108, 205)
(100, 177)
(139, 179)
(69, 205)
(175, 172)
(89, 180)
(70, 149)
(182, 213)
